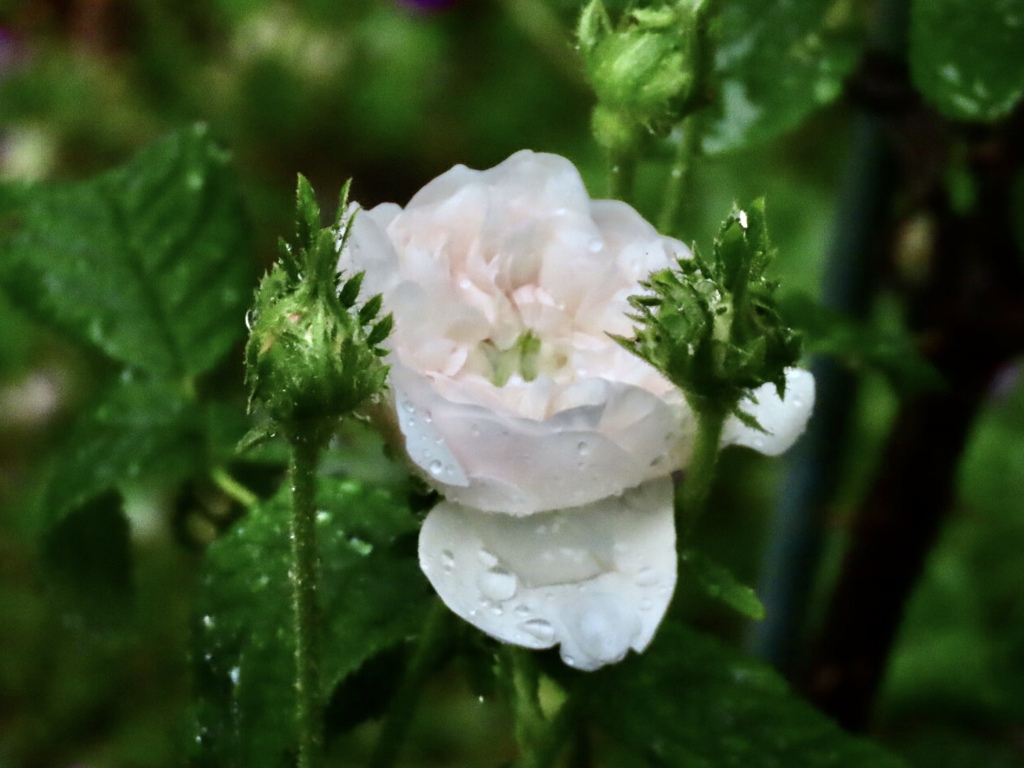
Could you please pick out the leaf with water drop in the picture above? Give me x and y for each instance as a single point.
(373, 598)
(719, 583)
(777, 61)
(966, 59)
(689, 700)
(149, 263)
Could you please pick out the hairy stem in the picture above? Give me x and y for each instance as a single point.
(700, 473)
(305, 575)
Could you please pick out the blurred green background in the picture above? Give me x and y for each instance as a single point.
(392, 94)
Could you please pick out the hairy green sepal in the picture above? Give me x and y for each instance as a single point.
(313, 354)
(711, 326)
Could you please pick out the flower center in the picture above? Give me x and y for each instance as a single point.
(519, 359)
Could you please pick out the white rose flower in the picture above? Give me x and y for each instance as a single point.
(551, 444)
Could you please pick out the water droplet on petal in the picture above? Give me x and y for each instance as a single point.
(487, 559)
(497, 584)
(646, 577)
(447, 561)
(540, 629)
(583, 449)
(522, 610)
(436, 467)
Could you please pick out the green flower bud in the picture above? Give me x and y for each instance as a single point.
(312, 355)
(613, 130)
(641, 69)
(712, 327)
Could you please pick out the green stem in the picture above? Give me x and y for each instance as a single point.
(305, 574)
(700, 473)
(431, 643)
(621, 172)
(531, 727)
(542, 26)
(232, 488)
(676, 199)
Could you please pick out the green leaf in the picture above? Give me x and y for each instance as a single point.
(889, 350)
(373, 597)
(138, 430)
(149, 263)
(691, 701)
(966, 58)
(88, 564)
(777, 61)
(718, 582)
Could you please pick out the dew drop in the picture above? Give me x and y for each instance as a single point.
(646, 577)
(436, 467)
(208, 622)
(234, 674)
(583, 449)
(540, 629)
(497, 584)
(408, 407)
(447, 561)
(487, 559)
(522, 610)
(474, 430)
(250, 318)
(798, 402)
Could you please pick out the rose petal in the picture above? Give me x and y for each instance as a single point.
(522, 466)
(784, 419)
(595, 579)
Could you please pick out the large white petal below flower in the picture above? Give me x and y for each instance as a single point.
(595, 579)
(783, 418)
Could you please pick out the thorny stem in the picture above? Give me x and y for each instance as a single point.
(431, 643)
(305, 575)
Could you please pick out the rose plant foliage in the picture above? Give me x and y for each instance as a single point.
(552, 445)
(481, 426)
